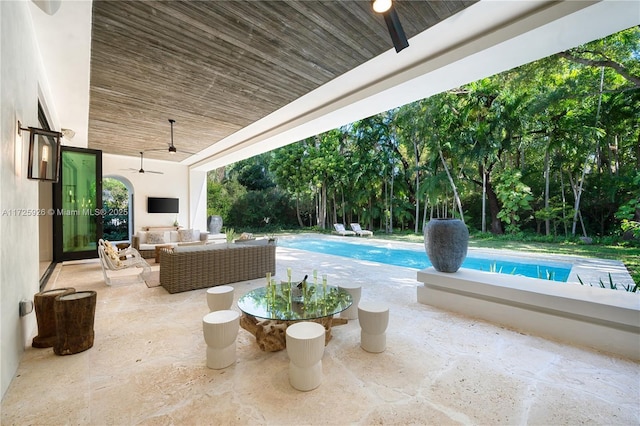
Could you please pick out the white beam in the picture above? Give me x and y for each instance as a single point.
(457, 51)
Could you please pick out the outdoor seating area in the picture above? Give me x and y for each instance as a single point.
(149, 364)
(340, 230)
(149, 240)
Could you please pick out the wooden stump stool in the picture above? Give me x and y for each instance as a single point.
(374, 319)
(75, 314)
(220, 298)
(305, 347)
(46, 316)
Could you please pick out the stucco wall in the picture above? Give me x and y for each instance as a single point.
(173, 183)
(21, 84)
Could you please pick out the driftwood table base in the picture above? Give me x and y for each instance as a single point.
(271, 334)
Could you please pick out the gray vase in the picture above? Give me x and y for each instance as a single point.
(214, 224)
(446, 242)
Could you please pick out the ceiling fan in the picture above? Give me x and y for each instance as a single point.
(142, 170)
(172, 148)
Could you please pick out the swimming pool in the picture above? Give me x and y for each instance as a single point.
(417, 259)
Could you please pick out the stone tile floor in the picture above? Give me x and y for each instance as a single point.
(147, 366)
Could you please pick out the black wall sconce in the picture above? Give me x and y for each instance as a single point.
(44, 154)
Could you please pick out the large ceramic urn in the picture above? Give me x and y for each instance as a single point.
(446, 242)
(214, 224)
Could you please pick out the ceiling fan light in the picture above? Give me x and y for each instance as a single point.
(172, 149)
(381, 6)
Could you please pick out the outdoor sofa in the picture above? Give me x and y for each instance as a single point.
(146, 240)
(185, 268)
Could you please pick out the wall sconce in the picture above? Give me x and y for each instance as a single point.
(44, 154)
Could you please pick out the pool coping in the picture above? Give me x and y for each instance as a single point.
(582, 315)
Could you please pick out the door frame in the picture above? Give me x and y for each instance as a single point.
(58, 246)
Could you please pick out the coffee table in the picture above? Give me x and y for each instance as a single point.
(122, 246)
(268, 311)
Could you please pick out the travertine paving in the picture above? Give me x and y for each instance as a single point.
(147, 366)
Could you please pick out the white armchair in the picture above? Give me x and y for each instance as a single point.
(113, 260)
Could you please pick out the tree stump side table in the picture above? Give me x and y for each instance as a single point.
(75, 314)
(46, 316)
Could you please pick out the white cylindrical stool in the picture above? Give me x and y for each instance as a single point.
(305, 347)
(355, 290)
(374, 319)
(220, 330)
(220, 298)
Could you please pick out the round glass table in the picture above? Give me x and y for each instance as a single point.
(268, 311)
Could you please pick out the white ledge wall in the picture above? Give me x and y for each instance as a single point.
(598, 318)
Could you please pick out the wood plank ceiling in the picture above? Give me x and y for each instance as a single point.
(218, 66)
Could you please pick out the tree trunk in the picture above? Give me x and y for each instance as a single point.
(342, 206)
(577, 191)
(494, 209)
(564, 206)
(484, 200)
(322, 207)
(390, 227)
(547, 221)
(586, 161)
(300, 222)
(424, 213)
(453, 185)
(417, 158)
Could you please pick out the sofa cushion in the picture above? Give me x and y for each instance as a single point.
(156, 237)
(185, 235)
(254, 242)
(142, 237)
(174, 237)
(199, 247)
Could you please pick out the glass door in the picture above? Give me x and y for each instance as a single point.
(78, 204)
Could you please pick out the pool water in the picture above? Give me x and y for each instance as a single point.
(417, 259)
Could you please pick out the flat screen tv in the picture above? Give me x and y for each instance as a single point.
(162, 205)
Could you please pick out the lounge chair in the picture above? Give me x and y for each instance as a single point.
(341, 231)
(112, 260)
(359, 231)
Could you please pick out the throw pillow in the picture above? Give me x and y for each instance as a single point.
(111, 253)
(142, 237)
(155, 238)
(108, 248)
(185, 235)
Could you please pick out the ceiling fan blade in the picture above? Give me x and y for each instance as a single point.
(180, 151)
(153, 171)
